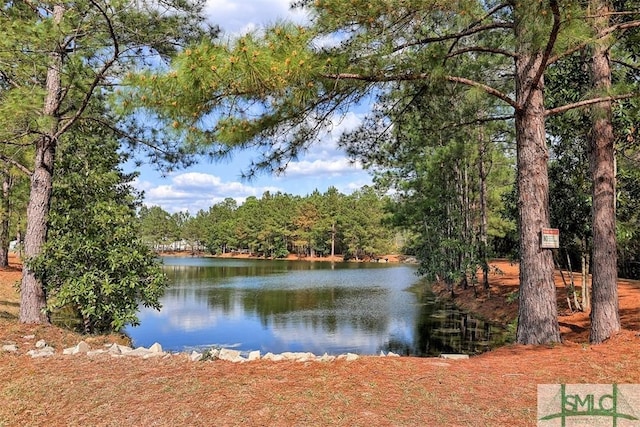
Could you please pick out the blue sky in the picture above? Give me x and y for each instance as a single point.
(207, 183)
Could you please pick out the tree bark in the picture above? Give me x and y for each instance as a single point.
(333, 239)
(32, 292)
(4, 218)
(537, 312)
(605, 317)
(482, 173)
(586, 290)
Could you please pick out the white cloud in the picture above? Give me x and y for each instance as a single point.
(192, 191)
(321, 168)
(241, 16)
(323, 165)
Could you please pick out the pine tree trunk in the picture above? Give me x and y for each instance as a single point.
(537, 312)
(586, 288)
(4, 219)
(32, 293)
(333, 239)
(482, 151)
(605, 318)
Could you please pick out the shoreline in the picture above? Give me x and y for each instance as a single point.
(389, 258)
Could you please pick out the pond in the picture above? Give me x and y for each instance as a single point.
(319, 307)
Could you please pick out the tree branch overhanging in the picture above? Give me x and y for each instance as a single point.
(553, 36)
(626, 65)
(15, 164)
(423, 76)
(124, 135)
(99, 75)
(456, 36)
(588, 102)
(504, 52)
(604, 33)
(473, 25)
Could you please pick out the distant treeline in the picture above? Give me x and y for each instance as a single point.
(276, 225)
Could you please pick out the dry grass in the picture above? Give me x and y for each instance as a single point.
(494, 389)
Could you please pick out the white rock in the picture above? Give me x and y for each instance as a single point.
(138, 352)
(351, 357)
(228, 355)
(392, 354)
(156, 348)
(114, 349)
(123, 348)
(454, 356)
(29, 337)
(195, 356)
(273, 357)
(41, 344)
(81, 347)
(45, 351)
(254, 355)
(326, 358)
(305, 357)
(12, 348)
(151, 354)
(297, 356)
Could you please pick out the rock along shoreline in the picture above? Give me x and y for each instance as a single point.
(42, 349)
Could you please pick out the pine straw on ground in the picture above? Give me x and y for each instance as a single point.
(494, 389)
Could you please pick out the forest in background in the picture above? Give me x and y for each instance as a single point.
(355, 226)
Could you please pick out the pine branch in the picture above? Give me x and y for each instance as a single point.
(423, 76)
(486, 88)
(16, 164)
(553, 36)
(8, 79)
(121, 134)
(504, 52)
(588, 102)
(473, 25)
(626, 64)
(99, 75)
(455, 36)
(601, 35)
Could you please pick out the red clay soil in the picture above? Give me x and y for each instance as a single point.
(498, 388)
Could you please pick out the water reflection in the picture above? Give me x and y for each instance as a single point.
(281, 306)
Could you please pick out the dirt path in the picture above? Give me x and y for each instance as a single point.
(495, 389)
(500, 305)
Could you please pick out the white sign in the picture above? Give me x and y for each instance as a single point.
(550, 238)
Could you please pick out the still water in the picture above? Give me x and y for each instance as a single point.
(320, 307)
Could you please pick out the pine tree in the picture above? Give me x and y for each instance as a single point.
(57, 60)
